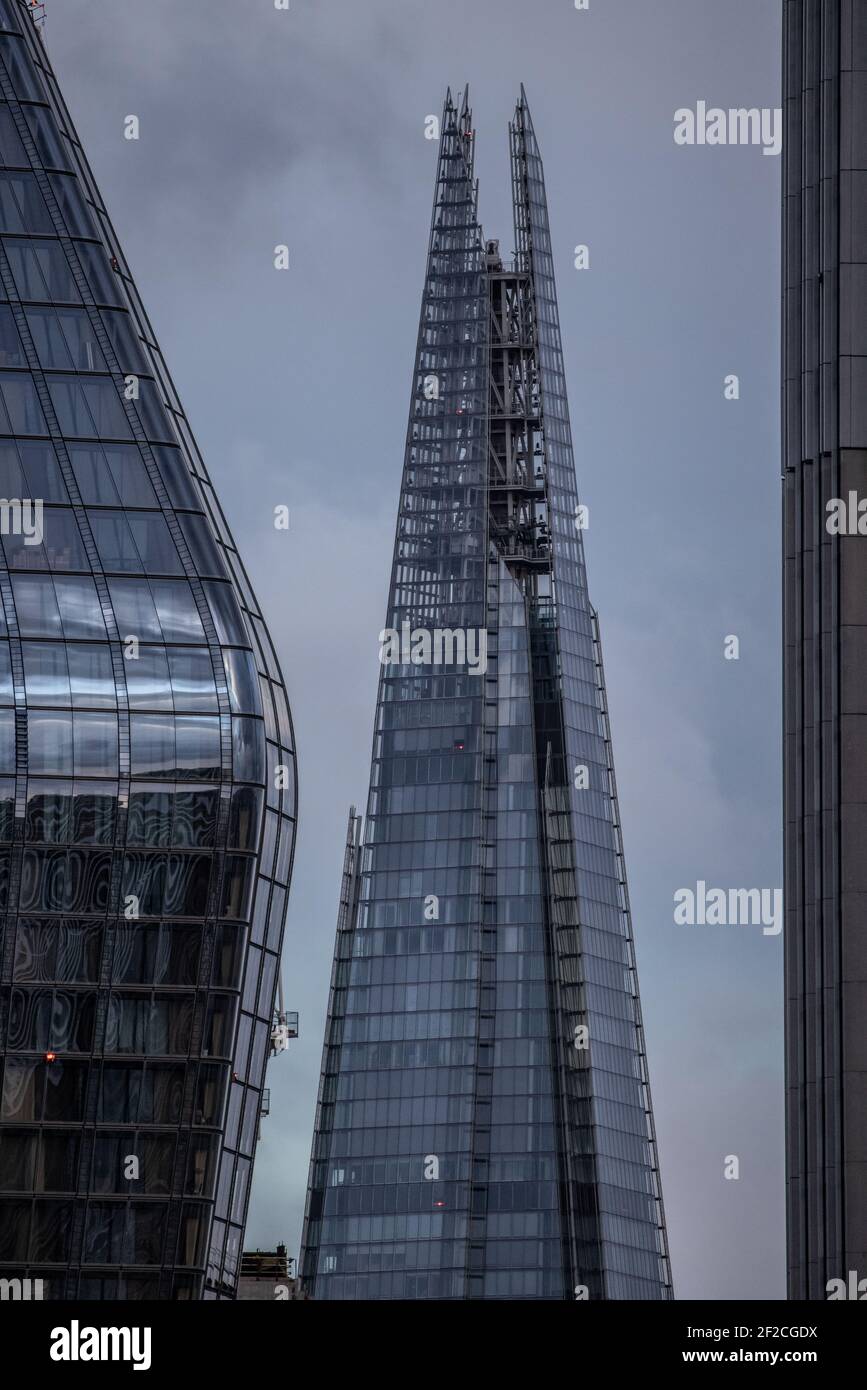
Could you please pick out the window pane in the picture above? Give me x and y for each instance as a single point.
(95, 744)
(248, 750)
(231, 630)
(93, 474)
(22, 206)
(179, 484)
(117, 550)
(11, 149)
(42, 472)
(63, 544)
(48, 817)
(198, 746)
(22, 404)
(65, 340)
(49, 742)
(11, 351)
(41, 271)
(94, 811)
(147, 680)
(176, 606)
(153, 745)
(134, 609)
(195, 816)
(192, 677)
(154, 543)
(150, 817)
(91, 676)
(46, 676)
(207, 560)
(80, 608)
(130, 476)
(244, 693)
(51, 149)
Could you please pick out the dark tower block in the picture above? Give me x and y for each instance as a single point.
(825, 626)
(147, 781)
(484, 1126)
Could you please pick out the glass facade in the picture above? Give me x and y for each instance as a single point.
(825, 640)
(484, 1126)
(147, 778)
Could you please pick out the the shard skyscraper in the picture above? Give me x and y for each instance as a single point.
(484, 1126)
(147, 776)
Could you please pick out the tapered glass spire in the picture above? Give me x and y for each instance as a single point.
(484, 1127)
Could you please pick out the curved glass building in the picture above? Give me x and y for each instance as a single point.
(147, 776)
(484, 1127)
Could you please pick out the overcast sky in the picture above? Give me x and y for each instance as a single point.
(306, 127)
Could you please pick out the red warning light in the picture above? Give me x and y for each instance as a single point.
(51, 1056)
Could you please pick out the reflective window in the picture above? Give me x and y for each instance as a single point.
(154, 416)
(130, 476)
(22, 74)
(88, 408)
(41, 271)
(105, 285)
(94, 810)
(11, 351)
(147, 680)
(20, 412)
(46, 674)
(198, 746)
(176, 606)
(192, 677)
(153, 1025)
(204, 550)
(80, 608)
(158, 953)
(178, 481)
(52, 151)
(73, 208)
(49, 812)
(6, 692)
(64, 547)
(42, 471)
(7, 740)
(231, 630)
(245, 817)
(65, 340)
(91, 676)
(125, 341)
(49, 742)
(7, 810)
(117, 549)
(248, 750)
(134, 609)
(95, 742)
(22, 206)
(154, 543)
(11, 149)
(195, 819)
(243, 682)
(152, 740)
(50, 950)
(150, 816)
